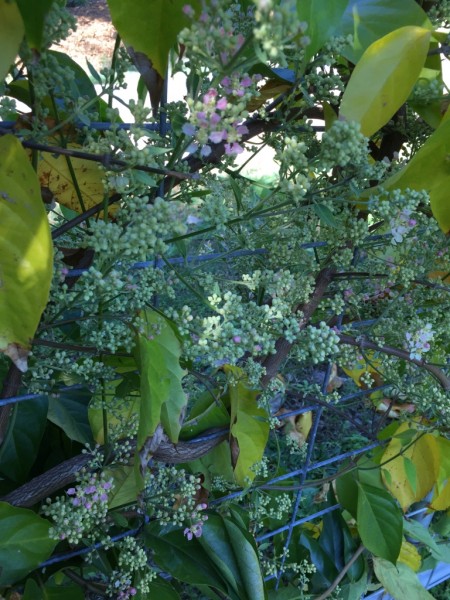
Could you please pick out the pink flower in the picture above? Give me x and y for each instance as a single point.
(242, 129)
(215, 118)
(188, 10)
(210, 97)
(217, 136)
(233, 148)
(222, 103)
(246, 82)
(237, 339)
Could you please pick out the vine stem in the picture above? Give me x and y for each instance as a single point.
(342, 574)
(364, 344)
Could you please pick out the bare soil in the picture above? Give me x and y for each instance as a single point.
(95, 35)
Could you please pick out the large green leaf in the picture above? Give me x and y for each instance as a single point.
(324, 20)
(57, 587)
(392, 65)
(11, 34)
(185, 560)
(162, 397)
(249, 425)
(379, 521)
(19, 450)
(125, 486)
(24, 542)
(151, 26)
(429, 169)
(26, 252)
(370, 20)
(400, 581)
(69, 410)
(33, 15)
(246, 554)
(207, 412)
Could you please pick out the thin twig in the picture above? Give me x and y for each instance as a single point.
(342, 574)
(363, 344)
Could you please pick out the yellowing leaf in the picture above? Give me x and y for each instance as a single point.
(429, 169)
(249, 425)
(409, 556)
(441, 501)
(54, 174)
(26, 252)
(392, 65)
(423, 455)
(11, 34)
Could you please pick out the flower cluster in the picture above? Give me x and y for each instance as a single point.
(133, 575)
(418, 342)
(344, 144)
(197, 522)
(215, 119)
(84, 508)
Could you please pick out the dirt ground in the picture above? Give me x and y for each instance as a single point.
(95, 36)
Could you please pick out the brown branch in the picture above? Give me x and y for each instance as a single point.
(364, 344)
(47, 483)
(272, 363)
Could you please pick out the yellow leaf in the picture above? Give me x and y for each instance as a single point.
(409, 556)
(423, 455)
(392, 64)
(441, 501)
(304, 423)
(54, 174)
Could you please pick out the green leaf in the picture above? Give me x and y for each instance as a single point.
(324, 20)
(33, 15)
(353, 591)
(19, 450)
(215, 463)
(151, 27)
(162, 397)
(400, 581)
(11, 34)
(246, 554)
(325, 566)
(185, 560)
(286, 593)
(57, 587)
(125, 488)
(249, 425)
(207, 412)
(24, 542)
(80, 85)
(162, 590)
(411, 473)
(429, 170)
(69, 410)
(370, 20)
(379, 521)
(392, 64)
(216, 543)
(347, 492)
(26, 252)
(416, 530)
(325, 215)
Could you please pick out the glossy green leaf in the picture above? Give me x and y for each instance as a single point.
(11, 34)
(429, 169)
(355, 590)
(400, 581)
(26, 252)
(162, 397)
(24, 542)
(249, 425)
(347, 492)
(392, 64)
(244, 549)
(207, 412)
(324, 20)
(69, 410)
(183, 559)
(19, 450)
(215, 463)
(33, 15)
(379, 521)
(151, 27)
(324, 564)
(370, 20)
(216, 543)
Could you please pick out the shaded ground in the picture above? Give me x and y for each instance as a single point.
(95, 35)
